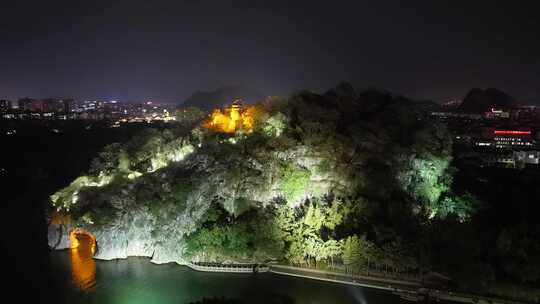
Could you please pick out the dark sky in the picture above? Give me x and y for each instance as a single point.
(166, 50)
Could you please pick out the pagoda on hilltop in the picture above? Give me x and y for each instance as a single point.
(232, 119)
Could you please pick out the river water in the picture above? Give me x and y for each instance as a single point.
(137, 280)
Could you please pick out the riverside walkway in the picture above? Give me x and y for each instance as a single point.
(358, 280)
(410, 290)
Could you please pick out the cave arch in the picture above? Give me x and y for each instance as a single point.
(83, 267)
(83, 240)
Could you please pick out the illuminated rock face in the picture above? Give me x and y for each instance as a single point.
(58, 231)
(134, 230)
(128, 235)
(58, 236)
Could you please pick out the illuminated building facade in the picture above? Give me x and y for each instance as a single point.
(512, 139)
(497, 114)
(527, 157)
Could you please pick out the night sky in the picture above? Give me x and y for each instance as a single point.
(166, 50)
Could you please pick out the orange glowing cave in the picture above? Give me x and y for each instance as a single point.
(83, 246)
(232, 119)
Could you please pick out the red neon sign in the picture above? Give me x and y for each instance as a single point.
(512, 132)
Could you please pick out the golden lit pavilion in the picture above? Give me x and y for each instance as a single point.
(232, 119)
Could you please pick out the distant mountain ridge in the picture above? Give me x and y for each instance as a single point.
(221, 96)
(479, 100)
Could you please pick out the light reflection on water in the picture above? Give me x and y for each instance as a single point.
(134, 280)
(83, 266)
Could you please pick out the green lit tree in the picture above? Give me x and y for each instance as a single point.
(358, 252)
(294, 181)
(296, 253)
(332, 249)
(337, 212)
(109, 160)
(314, 218)
(275, 125)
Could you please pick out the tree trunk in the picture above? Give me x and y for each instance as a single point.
(368, 265)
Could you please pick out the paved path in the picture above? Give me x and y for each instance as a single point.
(383, 284)
(392, 285)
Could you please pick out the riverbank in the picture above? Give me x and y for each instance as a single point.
(394, 286)
(400, 287)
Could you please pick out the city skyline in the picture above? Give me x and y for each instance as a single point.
(449, 101)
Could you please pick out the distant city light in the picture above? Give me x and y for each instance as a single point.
(512, 132)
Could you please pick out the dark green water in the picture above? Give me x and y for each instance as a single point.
(136, 280)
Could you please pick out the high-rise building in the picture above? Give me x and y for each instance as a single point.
(5, 105)
(25, 104)
(513, 138)
(53, 105)
(69, 104)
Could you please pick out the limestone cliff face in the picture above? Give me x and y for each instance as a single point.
(151, 215)
(131, 228)
(58, 236)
